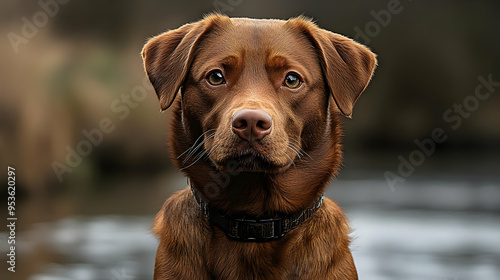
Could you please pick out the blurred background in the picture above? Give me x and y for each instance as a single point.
(71, 74)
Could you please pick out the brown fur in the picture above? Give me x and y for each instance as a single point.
(255, 56)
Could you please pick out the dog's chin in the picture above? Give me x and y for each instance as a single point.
(250, 161)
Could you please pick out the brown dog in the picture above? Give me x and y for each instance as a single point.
(256, 130)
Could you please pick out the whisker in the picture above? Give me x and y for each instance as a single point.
(191, 153)
(300, 151)
(190, 148)
(198, 157)
(293, 148)
(307, 154)
(291, 160)
(298, 147)
(212, 149)
(196, 141)
(295, 141)
(295, 151)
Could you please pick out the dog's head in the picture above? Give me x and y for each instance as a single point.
(255, 95)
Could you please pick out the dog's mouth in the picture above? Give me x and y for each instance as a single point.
(249, 160)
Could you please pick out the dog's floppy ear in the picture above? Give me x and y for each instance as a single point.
(168, 56)
(348, 68)
(347, 65)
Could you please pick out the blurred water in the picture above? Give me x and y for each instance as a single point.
(110, 247)
(433, 245)
(436, 241)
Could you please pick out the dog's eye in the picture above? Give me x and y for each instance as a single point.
(292, 81)
(216, 78)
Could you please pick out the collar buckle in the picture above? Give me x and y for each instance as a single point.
(257, 230)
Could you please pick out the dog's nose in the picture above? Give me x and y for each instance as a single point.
(251, 124)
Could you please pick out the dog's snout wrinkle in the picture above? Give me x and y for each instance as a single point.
(251, 124)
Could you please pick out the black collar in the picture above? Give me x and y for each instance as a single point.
(256, 230)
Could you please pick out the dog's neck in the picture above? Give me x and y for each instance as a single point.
(251, 229)
(260, 195)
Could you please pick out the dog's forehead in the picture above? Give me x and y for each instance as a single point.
(257, 40)
(258, 34)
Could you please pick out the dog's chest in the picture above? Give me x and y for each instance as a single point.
(244, 260)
